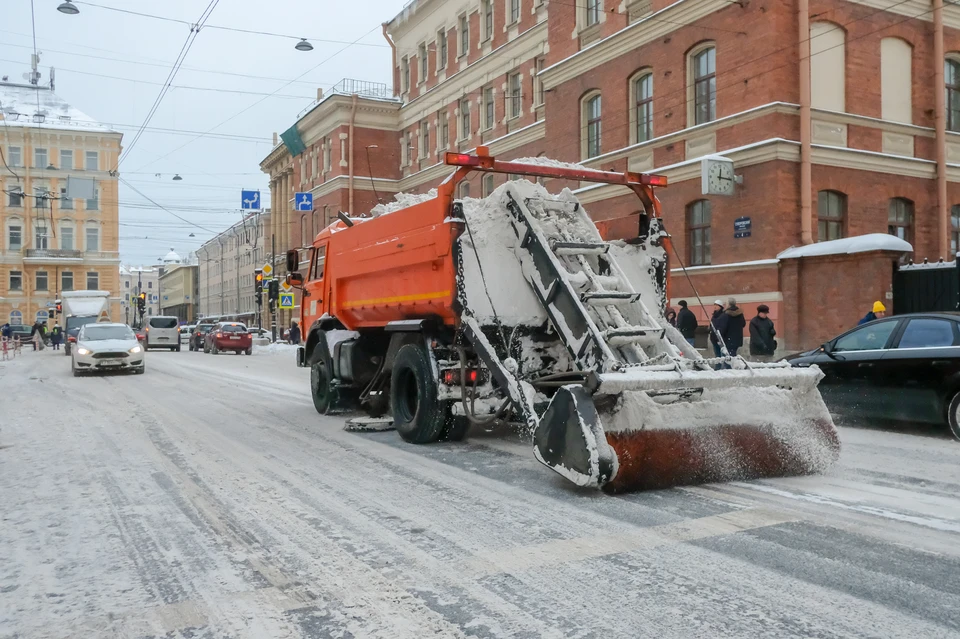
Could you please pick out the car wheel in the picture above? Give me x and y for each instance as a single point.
(418, 415)
(249, 351)
(176, 349)
(953, 415)
(140, 370)
(73, 368)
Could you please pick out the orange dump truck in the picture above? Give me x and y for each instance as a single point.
(439, 313)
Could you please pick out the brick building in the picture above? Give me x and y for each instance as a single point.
(841, 119)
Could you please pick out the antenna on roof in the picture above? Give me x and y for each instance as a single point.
(52, 76)
(34, 74)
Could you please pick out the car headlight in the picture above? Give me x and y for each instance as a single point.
(136, 349)
(83, 351)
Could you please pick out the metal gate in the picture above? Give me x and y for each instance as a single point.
(919, 288)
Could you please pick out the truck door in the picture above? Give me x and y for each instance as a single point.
(316, 303)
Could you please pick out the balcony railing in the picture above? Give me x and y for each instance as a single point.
(53, 253)
(362, 88)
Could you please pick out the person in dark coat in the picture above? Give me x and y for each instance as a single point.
(294, 333)
(56, 337)
(687, 322)
(6, 331)
(762, 332)
(671, 317)
(878, 311)
(715, 331)
(730, 325)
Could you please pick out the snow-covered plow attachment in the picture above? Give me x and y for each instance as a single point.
(639, 434)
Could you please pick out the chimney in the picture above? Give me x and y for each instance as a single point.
(319, 94)
(275, 140)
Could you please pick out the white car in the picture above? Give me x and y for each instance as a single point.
(162, 331)
(106, 347)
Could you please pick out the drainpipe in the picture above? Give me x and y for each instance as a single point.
(393, 49)
(940, 120)
(806, 177)
(353, 121)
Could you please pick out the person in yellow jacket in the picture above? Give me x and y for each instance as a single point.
(879, 310)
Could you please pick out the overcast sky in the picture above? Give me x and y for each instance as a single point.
(112, 65)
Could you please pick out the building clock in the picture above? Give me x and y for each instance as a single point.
(717, 177)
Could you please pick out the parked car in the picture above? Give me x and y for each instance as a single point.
(903, 368)
(228, 336)
(20, 330)
(199, 332)
(106, 346)
(186, 331)
(163, 331)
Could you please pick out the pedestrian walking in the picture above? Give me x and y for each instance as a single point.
(762, 332)
(6, 331)
(671, 317)
(715, 333)
(36, 336)
(294, 333)
(878, 311)
(56, 337)
(687, 322)
(730, 325)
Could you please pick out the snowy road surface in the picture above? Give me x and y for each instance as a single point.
(208, 499)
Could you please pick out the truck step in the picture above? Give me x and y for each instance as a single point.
(632, 335)
(579, 248)
(606, 298)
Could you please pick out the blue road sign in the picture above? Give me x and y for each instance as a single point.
(304, 201)
(250, 200)
(286, 300)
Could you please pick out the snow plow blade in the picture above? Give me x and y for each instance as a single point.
(659, 437)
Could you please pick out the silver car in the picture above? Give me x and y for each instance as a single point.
(107, 347)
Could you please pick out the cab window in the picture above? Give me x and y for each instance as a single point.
(318, 263)
(929, 333)
(867, 338)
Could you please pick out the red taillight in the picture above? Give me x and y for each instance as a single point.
(472, 376)
(451, 376)
(71, 339)
(654, 180)
(461, 159)
(219, 334)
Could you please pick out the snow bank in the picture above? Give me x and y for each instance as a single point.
(402, 201)
(549, 162)
(848, 245)
(277, 348)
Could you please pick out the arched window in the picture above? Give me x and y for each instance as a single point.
(896, 64)
(641, 113)
(831, 212)
(703, 83)
(316, 225)
(698, 227)
(827, 67)
(900, 218)
(591, 115)
(464, 189)
(16, 317)
(951, 77)
(43, 316)
(954, 230)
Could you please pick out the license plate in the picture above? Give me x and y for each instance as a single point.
(164, 339)
(235, 338)
(111, 362)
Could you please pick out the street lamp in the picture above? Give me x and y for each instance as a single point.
(303, 45)
(68, 8)
(176, 177)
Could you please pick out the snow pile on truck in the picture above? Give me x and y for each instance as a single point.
(447, 312)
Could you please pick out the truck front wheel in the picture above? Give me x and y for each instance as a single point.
(320, 378)
(418, 415)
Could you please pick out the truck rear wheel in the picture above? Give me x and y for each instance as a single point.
(320, 378)
(418, 415)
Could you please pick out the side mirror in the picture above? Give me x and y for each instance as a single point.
(294, 279)
(293, 260)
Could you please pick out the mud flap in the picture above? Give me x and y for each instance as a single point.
(570, 440)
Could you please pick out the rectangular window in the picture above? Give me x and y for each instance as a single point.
(41, 281)
(93, 281)
(699, 217)
(15, 237)
(441, 49)
(487, 19)
(150, 285)
(40, 237)
(66, 159)
(16, 280)
(14, 197)
(513, 86)
(66, 281)
(408, 149)
(514, 11)
(592, 8)
(705, 86)
(92, 161)
(464, 35)
(593, 122)
(94, 204)
(644, 114)
(424, 139)
(444, 130)
(486, 187)
(127, 284)
(489, 115)
(465, 119)
(14, 156)
(327, 154)
(537, 82)
(66, 238)
(405, 74)
(40, 158)
(93, 239)
(422, 54)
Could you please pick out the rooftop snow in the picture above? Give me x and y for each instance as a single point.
(18, 106)
(847, 245)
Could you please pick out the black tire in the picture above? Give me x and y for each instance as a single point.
(249, 351)
(140, 370)
(176, 348)
(953, 415)
(455, 428)
(73, 369)
(321, 376)
(418, 415)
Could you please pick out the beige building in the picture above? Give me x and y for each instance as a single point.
(226, 269)
(52, 244)
(178, 285)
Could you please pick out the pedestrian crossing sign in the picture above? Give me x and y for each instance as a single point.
(286, 300)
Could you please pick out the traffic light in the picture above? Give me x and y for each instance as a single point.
(141, 302)
(258, 277)
(274, 290)
(59, 308)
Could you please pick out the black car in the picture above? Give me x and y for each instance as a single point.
(903, 368)
(199, 332)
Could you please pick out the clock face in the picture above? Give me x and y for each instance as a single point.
(720, 178)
